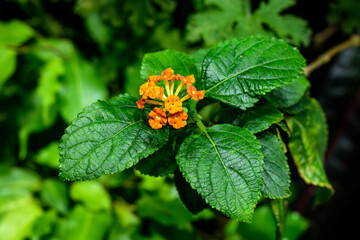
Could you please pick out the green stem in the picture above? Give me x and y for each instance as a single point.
(278, 207)
(199, 123)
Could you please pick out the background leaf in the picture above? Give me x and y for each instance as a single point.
(7, 64)
(82, 86)
(92, 194)
(17, 32)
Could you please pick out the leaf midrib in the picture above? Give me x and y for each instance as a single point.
(221, 160)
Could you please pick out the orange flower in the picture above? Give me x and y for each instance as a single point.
(188, 80)
(178, 120)
(168, 74)
(169, 100)
(150, 89)
(141, 103)
(194, 93)
(155, 78)
(179, 77)
(173, 104)
(157, 118)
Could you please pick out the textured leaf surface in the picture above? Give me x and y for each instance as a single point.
(155, 63)
(259, 118)
(308, 143)
(239, 71)
(224, 165)
(107, 137)
(276, 170)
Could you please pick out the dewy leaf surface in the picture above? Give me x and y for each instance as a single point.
(308, 143)
(276, 170)
(107, 137)
(224, 164)
(239, 71)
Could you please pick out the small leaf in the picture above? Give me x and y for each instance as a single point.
(289, 94)
(7, 64)
(107, 137)
(15, 32)
(49, 86)
(82, 224)
(161, 163)
(276, 170)
(48, 155)
(155, 63)
(308, 143)
(54, 193)
(238, 72)
(259, 118)
(224, 164)
(92, 194)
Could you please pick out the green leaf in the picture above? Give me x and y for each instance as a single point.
(7, 64)
(190, 197)
(49, 155)
(276, 170)
(161, 163)
(49, 86)
(224, 164)
(82, 86)
(19, 178)
(289, 94)
(54, 193)
(164, 211)
(15, 32)
(107, 137)
(308, 143)
(17, 223)
(259, 118)
(224, 19)
(155, 63)
(286, 26)
(82, 224)
(263, 225)
(92, 194)
(300, 106)
(239, 71)
(133, 80)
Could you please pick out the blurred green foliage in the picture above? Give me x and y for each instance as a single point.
(53, 65)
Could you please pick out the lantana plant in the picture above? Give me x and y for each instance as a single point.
(170, 103)
(226, 151)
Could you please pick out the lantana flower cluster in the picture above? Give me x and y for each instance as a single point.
(170, 106)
